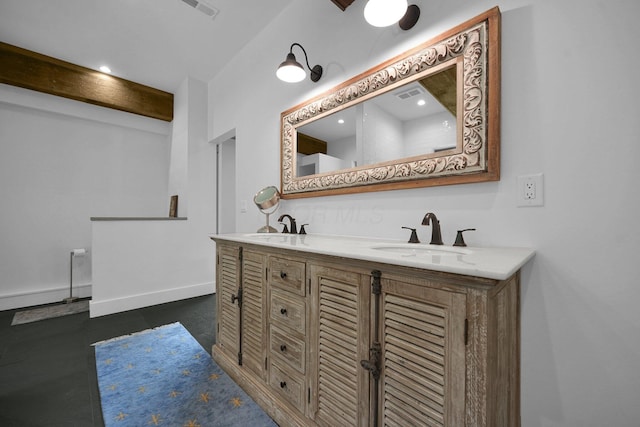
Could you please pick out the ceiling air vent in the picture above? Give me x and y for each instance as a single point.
(410, 93)
(203, 7)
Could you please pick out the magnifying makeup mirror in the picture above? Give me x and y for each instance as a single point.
(267, 201)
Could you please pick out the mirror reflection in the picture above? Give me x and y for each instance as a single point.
(413, 120)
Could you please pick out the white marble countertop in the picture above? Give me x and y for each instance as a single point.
(491, 263)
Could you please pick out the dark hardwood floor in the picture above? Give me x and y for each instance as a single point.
(47, 368)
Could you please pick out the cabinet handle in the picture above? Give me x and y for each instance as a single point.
(283, 275)
(238, 297)
(283, 384)
(283, 311)
(283, 347)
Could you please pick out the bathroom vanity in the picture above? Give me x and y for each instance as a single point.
(345, 331)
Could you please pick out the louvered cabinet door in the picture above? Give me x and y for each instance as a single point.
(423, 355)
(253, 312)
(227, 284)
(339, 392)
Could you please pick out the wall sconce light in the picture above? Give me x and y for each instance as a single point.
(382, 13)
(291, 71)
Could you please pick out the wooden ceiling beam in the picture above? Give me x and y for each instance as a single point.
(31, 70)
(442, 86)
(342, 4)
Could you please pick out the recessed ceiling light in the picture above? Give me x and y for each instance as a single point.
(341, 121)
(105, 69)
(421, 102)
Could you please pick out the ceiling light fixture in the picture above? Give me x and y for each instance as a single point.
(382, 13)
(291, 71)
(105, 69)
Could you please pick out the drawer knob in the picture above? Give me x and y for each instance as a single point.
(283, 384)
(283, 347)
(283, 275)
(283, 311)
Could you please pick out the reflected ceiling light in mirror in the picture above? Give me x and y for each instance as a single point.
(382, 13)
(291, 71)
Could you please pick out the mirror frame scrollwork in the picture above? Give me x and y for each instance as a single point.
(476, 44)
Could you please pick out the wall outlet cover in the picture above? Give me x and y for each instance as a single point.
(530, 190)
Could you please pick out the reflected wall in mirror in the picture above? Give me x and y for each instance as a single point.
(427, 117)
(412, 120)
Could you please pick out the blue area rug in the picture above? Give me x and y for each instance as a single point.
(163, 377)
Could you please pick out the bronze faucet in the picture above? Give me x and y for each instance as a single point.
(294, 227)
(436, 236)
(414, 235)
(460, 239)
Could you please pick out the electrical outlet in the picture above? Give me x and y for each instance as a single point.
(531, 190)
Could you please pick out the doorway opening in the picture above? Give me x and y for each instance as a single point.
(226, 183)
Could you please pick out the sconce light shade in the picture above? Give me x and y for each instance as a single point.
(410, 17)
(382, 13)
(291, 71)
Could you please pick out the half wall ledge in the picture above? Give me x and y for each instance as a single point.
(137, 218)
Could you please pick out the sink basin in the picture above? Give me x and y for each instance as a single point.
(269, 236)
(264, 235)
(415, 249)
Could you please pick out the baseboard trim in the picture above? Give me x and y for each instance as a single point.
(131, 302)
(42, 296)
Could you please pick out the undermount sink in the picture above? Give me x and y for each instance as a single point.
(269, 236)
(421, 249)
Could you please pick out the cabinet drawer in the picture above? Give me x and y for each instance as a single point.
(288, 385)
(287, 274)
(289, 311)
(287, 348)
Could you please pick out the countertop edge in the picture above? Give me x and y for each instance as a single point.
(505, 261)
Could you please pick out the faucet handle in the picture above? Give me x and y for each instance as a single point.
(414, 235)
(459, 239)
(302, 230)
(285, 230)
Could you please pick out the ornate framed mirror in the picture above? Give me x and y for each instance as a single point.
(430, 116)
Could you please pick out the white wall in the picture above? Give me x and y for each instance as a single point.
(383, 133)
(61, 162)
(139, 263)
(569, 110)
(427, 134)
(178, 164)
(344, 148)
(146, 262)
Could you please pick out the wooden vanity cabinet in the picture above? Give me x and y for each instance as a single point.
(228, 278)
(241, 328)
(287, 355)
(422, 346)
(354, 343)
(339, 340)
